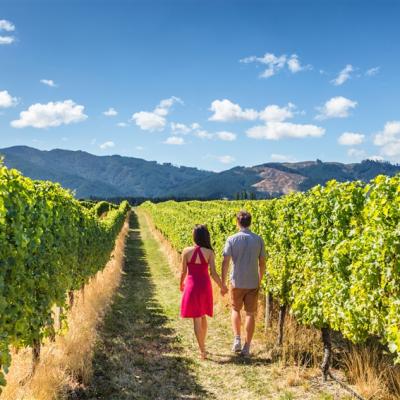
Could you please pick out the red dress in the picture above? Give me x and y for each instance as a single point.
(197, 299)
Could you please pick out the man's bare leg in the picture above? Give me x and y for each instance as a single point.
(236, 327)
(250, 324)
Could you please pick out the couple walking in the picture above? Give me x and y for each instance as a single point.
(247, 251)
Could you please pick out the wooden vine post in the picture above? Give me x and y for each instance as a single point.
(71, 298)
(35, 354)
(268, 311)
(326, 340)
(52, 333)
(281, 324)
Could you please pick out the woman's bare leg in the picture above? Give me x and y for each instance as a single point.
(198, 330)
(205, 327)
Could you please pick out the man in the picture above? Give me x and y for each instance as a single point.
(247, 250)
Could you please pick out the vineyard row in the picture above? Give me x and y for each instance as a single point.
(51, 245)
(333, 252)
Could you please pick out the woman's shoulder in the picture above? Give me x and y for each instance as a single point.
(187, 250)
(207, 251)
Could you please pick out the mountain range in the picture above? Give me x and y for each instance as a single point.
(117, 176)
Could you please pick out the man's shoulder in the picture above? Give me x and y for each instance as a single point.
(239, 234)
(256, 236)
(234, 236)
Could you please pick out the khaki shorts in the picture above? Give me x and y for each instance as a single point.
(248, 297)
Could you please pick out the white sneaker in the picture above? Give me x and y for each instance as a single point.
(237, 345)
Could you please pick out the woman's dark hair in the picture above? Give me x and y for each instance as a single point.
(201, 236)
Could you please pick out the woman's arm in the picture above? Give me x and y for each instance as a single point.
(184, 270)
(214, 274)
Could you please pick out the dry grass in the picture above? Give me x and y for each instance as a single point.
(67, 362)
(373, 372)
(301, 346)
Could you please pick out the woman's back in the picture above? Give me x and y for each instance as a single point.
(197, 264)
(190, 251)
(197, 297)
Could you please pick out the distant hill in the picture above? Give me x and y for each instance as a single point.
(116, 176)
(101, 176)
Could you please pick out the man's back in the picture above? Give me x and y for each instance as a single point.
(245, 248)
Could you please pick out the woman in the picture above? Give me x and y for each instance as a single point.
(197, 299)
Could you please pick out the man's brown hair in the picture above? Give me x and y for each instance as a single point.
(244, 218)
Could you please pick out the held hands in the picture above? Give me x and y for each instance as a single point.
(224, 290)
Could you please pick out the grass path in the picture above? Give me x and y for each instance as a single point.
(146, 352)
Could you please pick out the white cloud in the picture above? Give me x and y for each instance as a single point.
(203, 134)
(111, 112)
(149, 121)
(280, 130)
(281, 158)
(155, 120)
(389, 139)
(6, 26)
(295, 66)
(227, 136)
(336, 107)
(50, 115)
(351, 138)
(343, 76)
(165, 105)
(356, 153)
(176, 140)
(48, 82)
(274, 63)
(122, 124)
(6, 100)
(139, 148)
(7, 39)
(392, 150)
(274, 113)
(226, 111)
(195, 129)
(390, 134)
(372, 71)
(107, 145)
(226, 159)
(179, 128)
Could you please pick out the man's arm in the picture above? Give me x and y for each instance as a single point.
(224, 270)
(213, 272)
(261, 263)
(261, 269)
(227, 253)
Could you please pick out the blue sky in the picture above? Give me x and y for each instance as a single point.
(204, 83)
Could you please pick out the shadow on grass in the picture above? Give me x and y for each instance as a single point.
(239, 360)
(137, 355)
